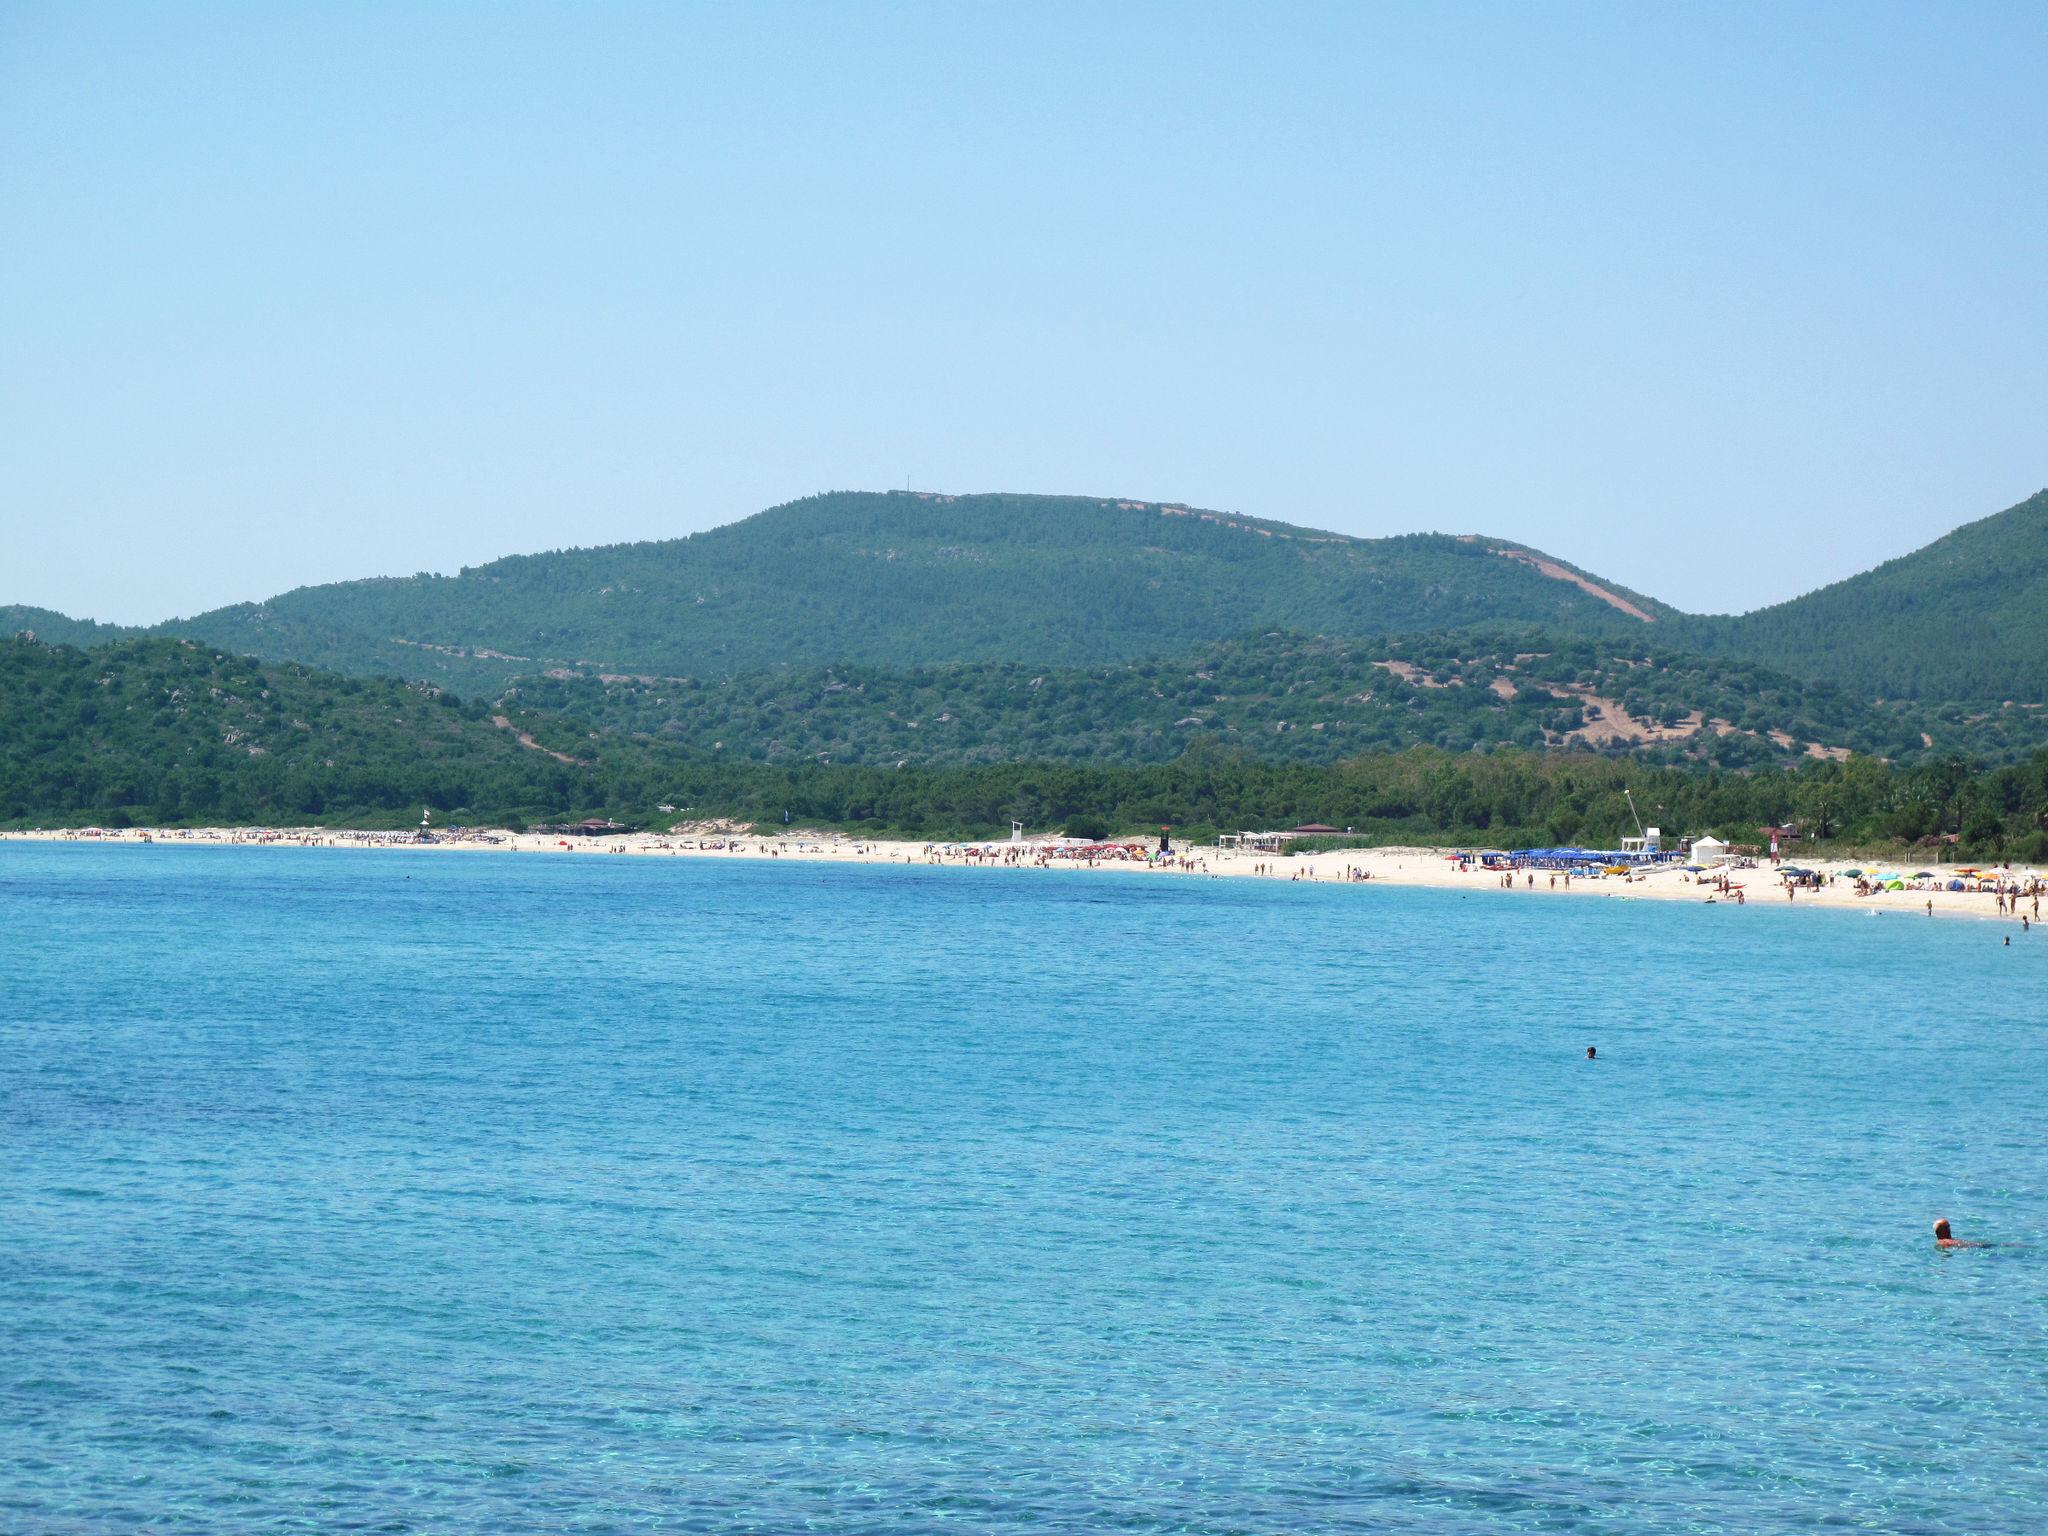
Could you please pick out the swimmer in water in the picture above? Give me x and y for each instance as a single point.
(1944, 1238)
(1590, 1053)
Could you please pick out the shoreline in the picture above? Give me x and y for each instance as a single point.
(1431, 868)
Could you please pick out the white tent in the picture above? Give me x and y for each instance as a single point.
(1706, 850)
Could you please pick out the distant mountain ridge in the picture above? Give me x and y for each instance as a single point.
(57, 629)
(919, 579)
(903, 579)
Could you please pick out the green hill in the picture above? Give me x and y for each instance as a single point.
(167, 731)
(161, 730)
(56, 629)
(1966, 617)
(1278, 696)
(901, 579)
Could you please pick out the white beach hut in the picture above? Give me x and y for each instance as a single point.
(1706, 850)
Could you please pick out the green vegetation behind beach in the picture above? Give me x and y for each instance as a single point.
(1312, 698)
(173, 733)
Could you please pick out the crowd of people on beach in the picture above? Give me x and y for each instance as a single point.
(293, 837)
(1043, 854)
(2008, 894)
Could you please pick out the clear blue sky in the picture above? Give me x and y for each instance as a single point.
(1720, 301)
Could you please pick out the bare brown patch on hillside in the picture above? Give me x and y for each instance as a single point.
(481, 653)
(1607, 721)
(1408, 672)
(1557, 572)
(1174, 510)
(525, 739)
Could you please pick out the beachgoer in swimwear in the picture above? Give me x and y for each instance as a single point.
(1590, 1053)
(1944, 1238)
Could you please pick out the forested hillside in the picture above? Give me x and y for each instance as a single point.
(56, 629)
(1281, 696)
(170, 732)
(1966, 617)
(904, 580)
(825, 626)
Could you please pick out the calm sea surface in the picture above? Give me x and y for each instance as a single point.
(408, 1192)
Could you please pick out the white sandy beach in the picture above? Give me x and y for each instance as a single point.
(1759, 885)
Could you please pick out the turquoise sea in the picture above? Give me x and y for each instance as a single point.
(391, 1192)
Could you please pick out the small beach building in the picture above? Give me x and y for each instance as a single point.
(1709, 849)
(1273, 842)
(594, 826)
